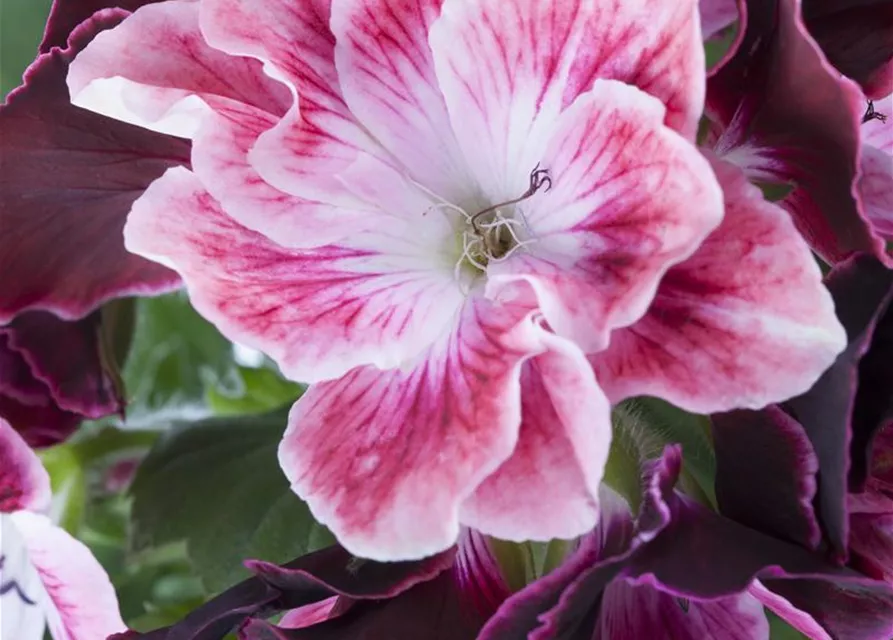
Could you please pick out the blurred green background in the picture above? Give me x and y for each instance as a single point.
(21, 27)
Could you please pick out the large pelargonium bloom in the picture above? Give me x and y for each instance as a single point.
(434, 210)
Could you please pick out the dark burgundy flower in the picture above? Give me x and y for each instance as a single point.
(331, 595)
(67, 180)
(780, 111)
(680, 570)
(53, 374)
(857, 38)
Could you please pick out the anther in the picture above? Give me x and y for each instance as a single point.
(871, 114)
(538, 179)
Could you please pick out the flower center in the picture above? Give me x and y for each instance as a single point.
(493, 233)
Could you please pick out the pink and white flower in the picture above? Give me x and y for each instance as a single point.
(434, 209)
(48, 579)
(876, 165)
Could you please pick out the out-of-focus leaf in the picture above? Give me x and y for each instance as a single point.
(21, 25)
(175, 356)
(259, 390)
(69, 483)
(217, 485)
(781, 630)
(653, 423)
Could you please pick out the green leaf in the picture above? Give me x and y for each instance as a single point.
(653, 423)
(217, 485)
(259, 390)
(781, 630)
(174, 357)
(69, 485)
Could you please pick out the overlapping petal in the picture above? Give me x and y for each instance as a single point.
(385, 458)
(156, 70)
(76, 596)
(61, 247)
(716, 15)
(599, 240)
(561, 453)
(786, 116)
(725, 329)
(876, 165)
(318, 312)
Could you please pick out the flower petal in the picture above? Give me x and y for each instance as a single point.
(600, 241)
(99, 167)
(871, 544)
(41, 424)
(220, 160)
(856, 37)
(791, 118)
(766, 474)
(386, 72)
(744, 322)
(650, 44)
(20, 586)
(800, 620)
(318, 137)
(381, 299)
(862, 290)
(630, 612)
(156, 70)
(876, 187)
(561, 453)
(24, 483)
(716, 15)
(78, 598)
(503, 68)
(567, 599)
(385, 458)
(66, 357)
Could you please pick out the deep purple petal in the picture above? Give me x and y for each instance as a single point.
(68, 178)
(67, 358)
(68, 14)
(564, 602)
(766, 474)
(862, 290)
(853, 610)
(791, 118)
(857, 38)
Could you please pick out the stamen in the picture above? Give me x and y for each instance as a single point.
(871, 114)
(538, 178)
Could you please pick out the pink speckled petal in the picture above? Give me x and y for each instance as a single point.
(380, 299)
(386, 72)
(744, 322)
(75, 593)
(384, 459)
(561, 452)
(156, 70)
(24, 483)
(599, 238)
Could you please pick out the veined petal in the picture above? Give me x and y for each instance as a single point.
(22, 618)
(386, 72)
(744, 322)
(380, 300)
(561, 453)
(220, 160)
(385, 458)
(871, 543)
(651, 44)
(876, 167)
(503, 68)
(800, 620)
(98, 168)
(156, 70)
(65, 16)
(24, 483)
(630, 612)
(77, 597)
(601, 240)
(318, 137)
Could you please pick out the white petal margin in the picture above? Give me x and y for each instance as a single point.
(63, 580)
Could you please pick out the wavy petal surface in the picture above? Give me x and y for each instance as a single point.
(599, 239)
(320, 312)
(561, 453)
(744, 322)
(385, 458)
(99, 167)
